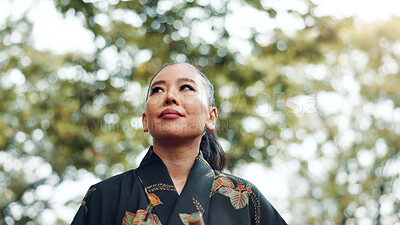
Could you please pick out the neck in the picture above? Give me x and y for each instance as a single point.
(178, 158)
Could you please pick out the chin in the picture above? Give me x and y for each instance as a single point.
(170, 135)
(173, 129)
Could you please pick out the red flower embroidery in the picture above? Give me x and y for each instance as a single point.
(240, 187)
(249, 190)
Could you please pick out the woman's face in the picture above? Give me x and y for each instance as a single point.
(177, 105)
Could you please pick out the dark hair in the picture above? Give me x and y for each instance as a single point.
(209, 144)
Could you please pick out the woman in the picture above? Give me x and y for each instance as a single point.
(182, 172)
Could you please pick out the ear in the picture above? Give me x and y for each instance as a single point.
(212, 119)
(144, 122)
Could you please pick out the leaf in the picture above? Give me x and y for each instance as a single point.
(214, 185)
(154, 220)
(128, 218)
(139, 216)
(184, 217)
(225, 182)
(239, 199)
(222, 181)
(226, 191)
(134, 218)
(154, 199)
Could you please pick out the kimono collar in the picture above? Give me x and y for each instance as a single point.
(170, 207)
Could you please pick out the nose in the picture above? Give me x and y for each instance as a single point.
(170, 98)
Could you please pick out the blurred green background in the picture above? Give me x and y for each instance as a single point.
(309, 103)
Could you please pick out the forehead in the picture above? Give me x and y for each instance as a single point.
(174, 72)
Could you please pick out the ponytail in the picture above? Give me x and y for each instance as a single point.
(212, 150)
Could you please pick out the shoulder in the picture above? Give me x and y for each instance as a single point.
(236, 181)
(105, 196)
(240, 184)
(127, 176)
(262, 210)
(108, 189)
(114, 185)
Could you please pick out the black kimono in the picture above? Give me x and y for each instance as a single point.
(147, 195)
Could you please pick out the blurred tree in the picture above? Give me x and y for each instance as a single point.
(345, 151)
(320, 99)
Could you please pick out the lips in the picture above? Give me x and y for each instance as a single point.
(170, 114)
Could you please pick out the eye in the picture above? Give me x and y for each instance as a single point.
(187, 87)
(156, 90)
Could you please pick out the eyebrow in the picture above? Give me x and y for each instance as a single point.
(180, 80)
(158, 82)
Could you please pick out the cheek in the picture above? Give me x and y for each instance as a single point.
(196, 98)
(150, 109)
(154, 101)
(197, 108)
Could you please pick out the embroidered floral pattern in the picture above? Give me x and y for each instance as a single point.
(238, 191)
(184, 218)
(139, 218)
(221, 181)
(153, 220)
(134, 218)
(238, 196)
(154, 199)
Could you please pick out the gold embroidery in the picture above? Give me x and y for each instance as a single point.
(160, 186)
(239, 181)
(91, 190)
(201, 159)
(210, 174)
(257, 207)
(211, 194)
(198, 206)
(140, 179)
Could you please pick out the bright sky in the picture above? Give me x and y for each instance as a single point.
(367, 10)
(53, 32)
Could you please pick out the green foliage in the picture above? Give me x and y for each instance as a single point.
(74, 113)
